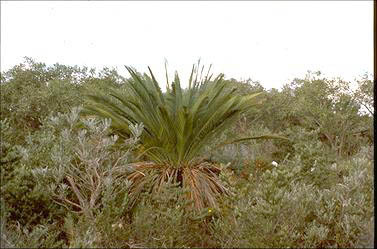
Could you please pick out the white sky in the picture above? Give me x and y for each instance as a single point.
(269, 41)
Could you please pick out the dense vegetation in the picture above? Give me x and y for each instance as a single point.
(92, 159)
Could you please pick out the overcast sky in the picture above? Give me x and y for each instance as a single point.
(268, 41)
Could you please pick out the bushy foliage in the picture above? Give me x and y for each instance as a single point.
(364, 93)
(69, 163)
(65, 178)
(26, 202)
(31, 91)
(328, 106)
(282, 208)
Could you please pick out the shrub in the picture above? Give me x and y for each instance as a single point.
(88, 176)
(31, 91)
(287, 208)
(65, 168)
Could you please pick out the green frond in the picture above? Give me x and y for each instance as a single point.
(179, 122)
(177, 126)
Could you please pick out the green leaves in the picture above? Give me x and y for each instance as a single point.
(179, 122)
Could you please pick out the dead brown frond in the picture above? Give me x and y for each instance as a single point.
(202, 181)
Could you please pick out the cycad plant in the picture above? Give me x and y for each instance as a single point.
(178, 124)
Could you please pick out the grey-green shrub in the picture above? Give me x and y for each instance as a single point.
(88, 176)
(286, 210)
(70, 169)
